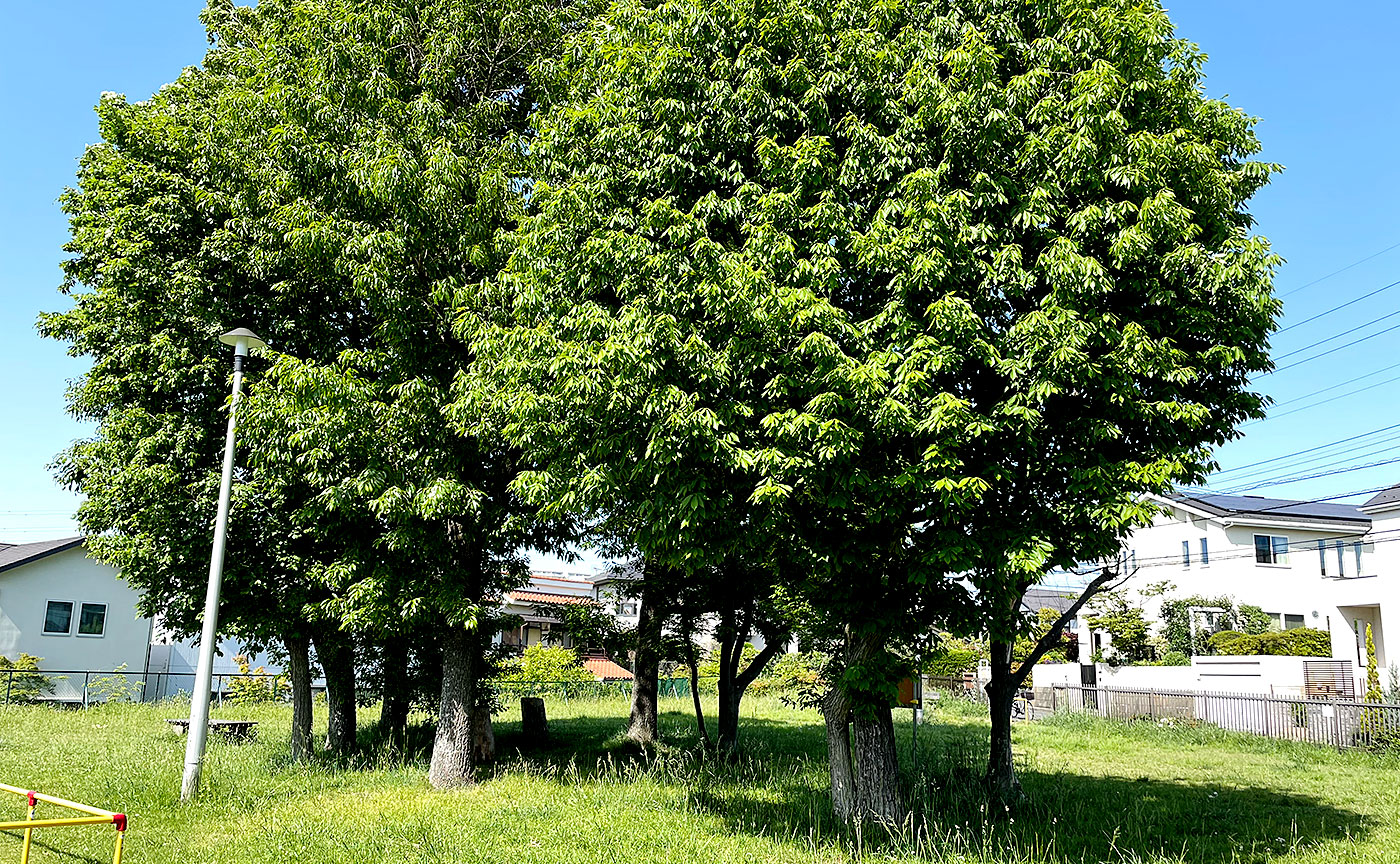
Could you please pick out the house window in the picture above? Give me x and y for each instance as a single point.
(1322, 556)
(1341, 557)
(92, 619)
(1185, 554)
(1357, 548)
(1205, 553)
(1292, 622)
(1269, 549)
(58, 617)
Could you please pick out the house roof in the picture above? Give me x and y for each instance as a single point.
(15, 554)
(1058, 599)
(527, 596)
(1383, 499)
(605, 670)
(1261, 509)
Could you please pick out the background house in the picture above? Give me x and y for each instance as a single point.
(58, 604)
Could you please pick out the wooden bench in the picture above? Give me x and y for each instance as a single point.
(232, 730)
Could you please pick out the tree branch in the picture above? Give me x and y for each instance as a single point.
(1098, 585)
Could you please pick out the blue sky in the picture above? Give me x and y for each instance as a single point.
(1323, 84)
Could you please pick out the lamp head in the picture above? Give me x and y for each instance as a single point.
(242, 339)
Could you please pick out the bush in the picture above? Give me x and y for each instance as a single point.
(544, 664)
(21, 679)
(1302, 642)
(951, 658)
(1217, 641)
(788, 672)
(254, 686)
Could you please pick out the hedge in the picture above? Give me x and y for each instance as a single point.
(1300, 642)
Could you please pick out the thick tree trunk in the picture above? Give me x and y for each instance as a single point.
(453, 748)
(336, 652)
(877, 767)
(1002, 785)
(299, 669)
(646, 670)
(394, 688)
(836, 711)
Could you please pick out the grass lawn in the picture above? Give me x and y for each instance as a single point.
(1099, 791)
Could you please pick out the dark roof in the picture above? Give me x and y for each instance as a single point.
(15, 554)
(1276, 509)
(1384, 497)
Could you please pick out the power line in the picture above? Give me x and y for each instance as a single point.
(1341, 271)
(1340, 347)
(1307, 463)
(1283, 481)
(1337, 336)
(1324, 401)
(1312, 449)
(1335, 386)
(1338, 307)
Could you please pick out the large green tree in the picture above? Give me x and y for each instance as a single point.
(936, 288)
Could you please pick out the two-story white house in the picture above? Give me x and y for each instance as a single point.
(1307, 564)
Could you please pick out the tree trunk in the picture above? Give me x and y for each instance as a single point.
(452, 763)
(731, 650)
(837, 713)
(1002, 785)
(484, 733)
(394, 687)
(336, 652)
(646, 670)
(877, 767)
(299, 669)
(735, 685)
(690, 661)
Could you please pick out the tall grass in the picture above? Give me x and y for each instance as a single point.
(1098, 791)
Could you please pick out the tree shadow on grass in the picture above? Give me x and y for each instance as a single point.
(18, 837)
(1066, 816)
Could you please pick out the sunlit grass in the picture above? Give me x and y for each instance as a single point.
(1098, 791)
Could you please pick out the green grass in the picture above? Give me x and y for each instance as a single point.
(1099, 791)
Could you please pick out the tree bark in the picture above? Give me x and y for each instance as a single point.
(690, 661)
(453, 749)
(394, 688)
(735, 684)
(836, 711)
(877, 767)
(336, 652)
(299, 669)
(1002, 785)
(642, 727)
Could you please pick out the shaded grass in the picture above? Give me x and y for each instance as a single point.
(1098, 791)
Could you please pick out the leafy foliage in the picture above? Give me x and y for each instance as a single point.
(544, 664)
(1299, 642)
(24, 683)
(1126, 624)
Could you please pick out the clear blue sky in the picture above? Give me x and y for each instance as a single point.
(1322, 82)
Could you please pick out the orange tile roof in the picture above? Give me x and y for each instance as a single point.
(606, 670)
(526, 596)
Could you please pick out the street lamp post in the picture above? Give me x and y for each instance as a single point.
(241, 340)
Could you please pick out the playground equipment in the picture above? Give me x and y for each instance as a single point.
(94, 816)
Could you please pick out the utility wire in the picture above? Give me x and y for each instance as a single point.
(1340, 347)
(1311, 449)
(1324, 401)
(1344, 333)
(1284, 481)
(1338, 307)
(1293, 291)
(1349, 453)
(1336, 386)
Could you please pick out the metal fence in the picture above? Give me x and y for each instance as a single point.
(83, 687)
(1329, 722)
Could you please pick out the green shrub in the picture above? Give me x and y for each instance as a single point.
(951, 658)
(1217, 641)
(21, 681)
(1253, 620)
(1302, 642)
(541, 664)
(788, 672)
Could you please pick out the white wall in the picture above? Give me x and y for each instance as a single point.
(71, 575)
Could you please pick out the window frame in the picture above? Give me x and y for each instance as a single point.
(1205, 552)
(72, 617)
(1273, 551)
(1185, 554)
(78, 630)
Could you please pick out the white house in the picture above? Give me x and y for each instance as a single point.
(58, 604)
(1307, 564)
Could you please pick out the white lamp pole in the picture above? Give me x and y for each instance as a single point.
(241, 340)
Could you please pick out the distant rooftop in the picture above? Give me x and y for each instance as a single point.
(15, 554)
(1279, 509)
(1384, 498)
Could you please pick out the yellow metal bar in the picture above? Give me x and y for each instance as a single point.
(28, 837)
(55, 823)
(117, 856)
(61, 802)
